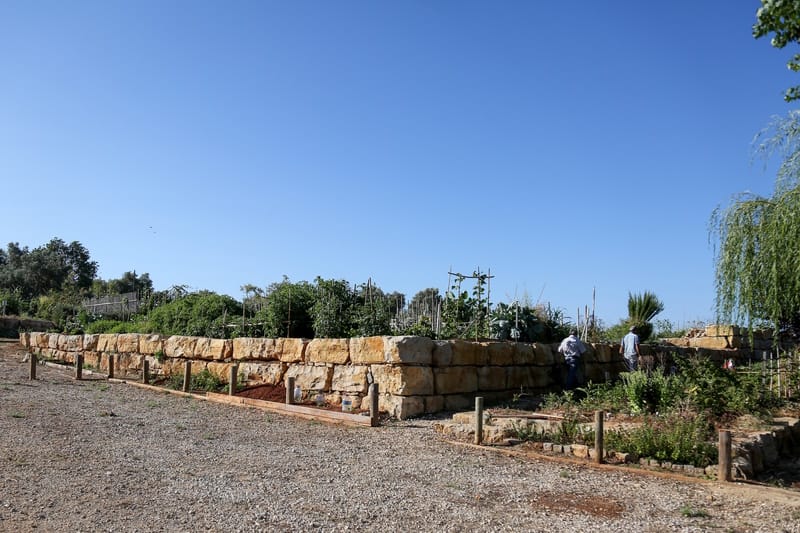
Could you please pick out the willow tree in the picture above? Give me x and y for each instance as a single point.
(758, 240)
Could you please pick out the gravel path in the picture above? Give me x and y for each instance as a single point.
(94, 456)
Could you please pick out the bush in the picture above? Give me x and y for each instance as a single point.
(679, 438)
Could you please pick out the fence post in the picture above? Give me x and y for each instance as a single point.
(79, 366)
(232, 379)
(33, 365)
(374, 415)
(289, 390)
(187, 376)
(598, 436)
(145, 371)
(724, 470)
(110, 365)
(479, 420)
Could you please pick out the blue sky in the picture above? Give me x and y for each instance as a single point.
(215, 144)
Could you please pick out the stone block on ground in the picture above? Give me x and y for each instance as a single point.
(401, 407)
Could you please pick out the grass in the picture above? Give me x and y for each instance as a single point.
(17, 415)
(690, 512)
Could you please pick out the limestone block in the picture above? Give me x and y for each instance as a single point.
(492, 378)
(500, 353)
(718, 330)
(90, 342)
(521, 377)
(128, 343)
(590, 355)
(67, 357)
(72, 343)
(270, 373)
(350, 378)
(468, 353)
(442, 353)
(434, 404)
(336, 351)
(544, 354)
(408, 350)
(250, 349)
(107, 342)
(734, 342)
(25, 339)
(221, 371)
(366, 350)
(93, 360)
(596, 372)
(180, 346)
(53, 341)
(39, 340)
(602, 353)
(523, 353)
(455, 379)
(580, 450)
(317, 378)
(401, 406)
(683, 342)
(458, 402)
(291, 350)
(151, 344)
(216, 349)
(128, 362)
(175, 367)
(403, 380)
(712, 343)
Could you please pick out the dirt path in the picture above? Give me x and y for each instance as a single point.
(94, 456)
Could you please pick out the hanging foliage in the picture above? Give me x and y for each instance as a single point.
(757, 270)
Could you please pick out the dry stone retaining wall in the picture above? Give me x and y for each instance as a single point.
(416, 375)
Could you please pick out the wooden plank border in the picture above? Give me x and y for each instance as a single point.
(301, 411)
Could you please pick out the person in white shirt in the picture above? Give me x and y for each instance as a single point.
(572, 348)
(629, 348)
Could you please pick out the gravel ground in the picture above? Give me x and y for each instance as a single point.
(95, 456)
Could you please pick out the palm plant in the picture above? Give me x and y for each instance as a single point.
(641, 310)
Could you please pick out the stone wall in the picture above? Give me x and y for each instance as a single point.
(416, 375)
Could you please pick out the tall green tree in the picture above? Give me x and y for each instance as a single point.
(781, 19)
(286, 311)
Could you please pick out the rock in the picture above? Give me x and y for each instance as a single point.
(404, 380)
(366, 350)
(335, 351)
(492, 378)
(128, 343)
(151, 344)
(408, 350)
(316, 378)
(454, 380)
(352, 379)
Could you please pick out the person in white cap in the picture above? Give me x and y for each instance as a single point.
(572, 348)
(629, 348)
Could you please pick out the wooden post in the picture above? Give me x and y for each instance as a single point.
(724, 471)
(374, 415)
(598, 436)
(187, 376)
(479, 420)
(232, 378)
(33, 365)
(111, 365)
(145, 371)
(289, 391)
(79, 366)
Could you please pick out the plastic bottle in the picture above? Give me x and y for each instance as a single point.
(298, 393)
(347, 404)
(319, 399)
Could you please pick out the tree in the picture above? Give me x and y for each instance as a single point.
(287, 310)
(332, 311)
(642, 308)
(781, 18)
(755, 239)
(201, 314)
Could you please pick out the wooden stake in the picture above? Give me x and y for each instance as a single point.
(479, 420)
(724, 470)
(111, 366)
(234, 371)
(145, 371)
(33, 365)
(187, 376)
(79, 366)
(598, 436)
(374, 415)
(289, 390)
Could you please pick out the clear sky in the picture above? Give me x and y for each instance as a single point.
(564, 146)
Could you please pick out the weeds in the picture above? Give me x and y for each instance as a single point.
(690, 512)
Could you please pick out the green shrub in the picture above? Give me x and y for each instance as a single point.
(205, 381)
(684, 439)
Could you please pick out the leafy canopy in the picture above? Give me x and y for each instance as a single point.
(781, 18)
